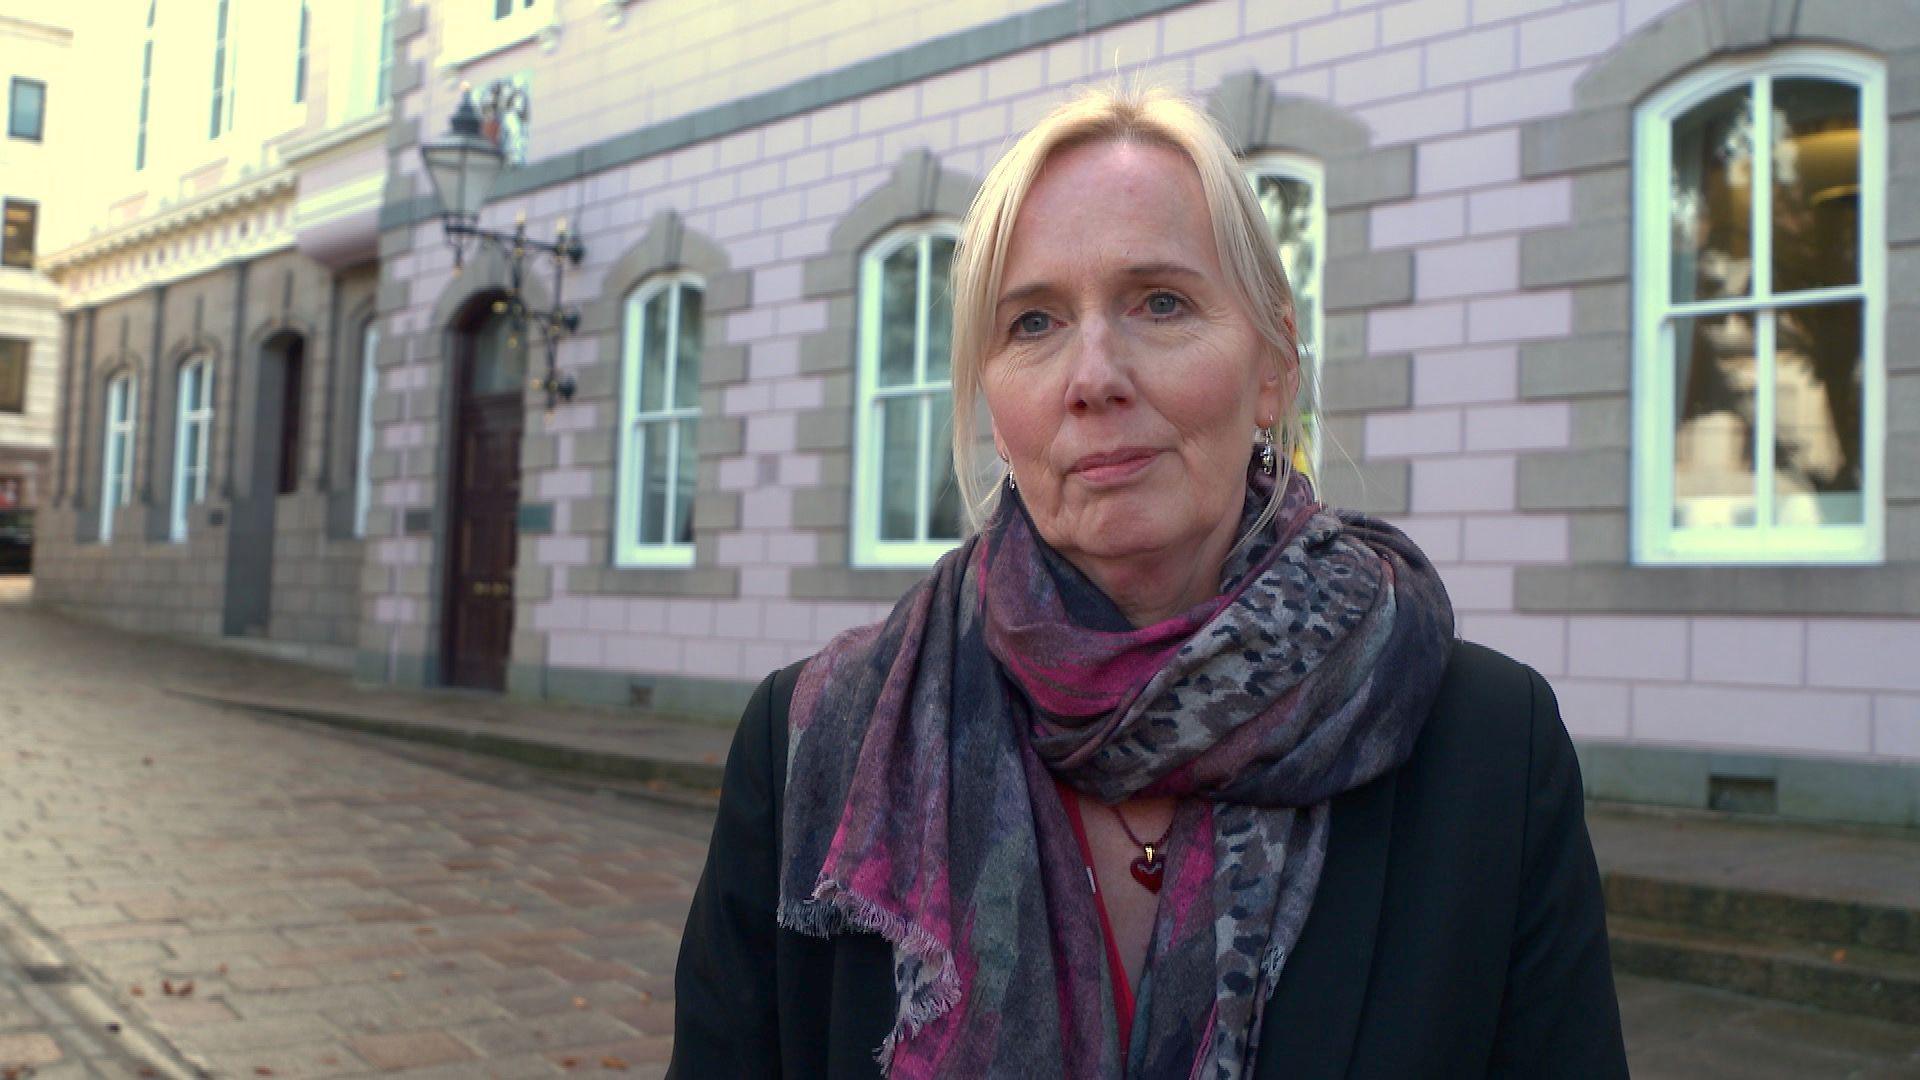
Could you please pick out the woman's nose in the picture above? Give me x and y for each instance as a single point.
(1098, 378)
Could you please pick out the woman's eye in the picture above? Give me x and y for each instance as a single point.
(1162, 305)
(1031, 324)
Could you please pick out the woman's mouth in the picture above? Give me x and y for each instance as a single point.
(1113, 467)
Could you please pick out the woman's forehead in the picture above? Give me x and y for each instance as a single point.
(1113, 206)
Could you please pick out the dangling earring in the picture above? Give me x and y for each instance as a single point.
(1265, 437)
(1012, 484)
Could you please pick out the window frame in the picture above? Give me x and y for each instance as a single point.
(363, 448)
(628, 548)
(1287, 165)
(116, 451)
(1656, 541)
(22, 348)
(867, 549)
(40, 114)
(190, 478)
(226, 70)
(33, 232)
(300, 50)
(146, 90)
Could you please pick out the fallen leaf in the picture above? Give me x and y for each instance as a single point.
(617, 1064)
(569, 1062)
(425, 931)
(166, 987)
(262, 1070)
(646, 997)
(330, 1060)
(221, 970)
(146, 761)
(1839, 956)
(137, 990)
(579, 1003)
(396, 976)
(185, 989)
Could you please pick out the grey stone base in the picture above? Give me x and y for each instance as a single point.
(1764, 786)
(714, 701)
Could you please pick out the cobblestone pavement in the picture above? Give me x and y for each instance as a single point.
(267, 896)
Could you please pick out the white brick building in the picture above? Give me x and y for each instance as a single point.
(1661, 436)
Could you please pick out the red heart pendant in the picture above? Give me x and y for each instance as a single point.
(1148, 872)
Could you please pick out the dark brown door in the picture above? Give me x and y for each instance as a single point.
(486, 507)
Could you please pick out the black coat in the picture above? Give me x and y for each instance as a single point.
(1458, 929)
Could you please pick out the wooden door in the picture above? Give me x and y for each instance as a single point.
(486, 507)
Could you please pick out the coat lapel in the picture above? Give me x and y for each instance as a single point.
(1310, 1024)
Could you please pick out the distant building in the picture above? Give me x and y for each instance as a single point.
(1611, 304)
(34, 54)
(219, 324)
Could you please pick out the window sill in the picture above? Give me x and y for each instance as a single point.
(667, 557)
(464, 47)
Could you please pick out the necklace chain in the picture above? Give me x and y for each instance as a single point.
(1149, 848)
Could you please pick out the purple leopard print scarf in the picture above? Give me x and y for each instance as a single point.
(921, 805)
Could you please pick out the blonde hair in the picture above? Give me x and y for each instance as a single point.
(1246, 249)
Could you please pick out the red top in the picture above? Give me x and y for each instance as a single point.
(1122, 989)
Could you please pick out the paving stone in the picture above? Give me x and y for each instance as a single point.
(411, 1049)
(32, 1049)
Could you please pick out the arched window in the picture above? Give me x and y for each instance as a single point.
(659, 422)
(1759, 381)
(116, 456)
(906, 509)
(363, 440)
(1291, 192)
(193, 426)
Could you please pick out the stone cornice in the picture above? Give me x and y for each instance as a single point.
(174, 220)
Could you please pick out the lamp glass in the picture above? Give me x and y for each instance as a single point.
(463, 169)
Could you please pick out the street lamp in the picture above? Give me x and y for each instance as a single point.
(463, 167)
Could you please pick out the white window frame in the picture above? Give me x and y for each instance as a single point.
(190, 477)
(628, 549)
(1656, 542)
(868, 549)
(363, 448)
(225, 54)
(116, 452)
(1288, 166)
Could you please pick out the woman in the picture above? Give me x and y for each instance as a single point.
(1167, 771)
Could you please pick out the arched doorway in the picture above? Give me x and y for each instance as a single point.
(274, 470)
(489, 397)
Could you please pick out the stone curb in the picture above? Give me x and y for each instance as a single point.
(696, 779)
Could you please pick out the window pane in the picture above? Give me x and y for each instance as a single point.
(653, 351)
(940, 312)
(1713, 450)
(943, 517)
(899, 277)
(1288, 204)
(1818, 467)
(686, 378)
(1816, 184)
(652, 441)
(1712, 198)
(27, 106)
(13, 375)
(683, 489)
(17, 219)
(500, 357)
(190, 455)
(899, 459)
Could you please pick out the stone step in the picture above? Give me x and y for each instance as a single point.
(1855, 980)
(1764, 914)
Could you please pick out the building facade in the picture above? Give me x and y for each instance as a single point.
(218, 317)
(33, 53)
(1661, 435)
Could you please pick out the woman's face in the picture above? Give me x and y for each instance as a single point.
(1124, 379)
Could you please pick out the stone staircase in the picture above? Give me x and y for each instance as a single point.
(1828, 918)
